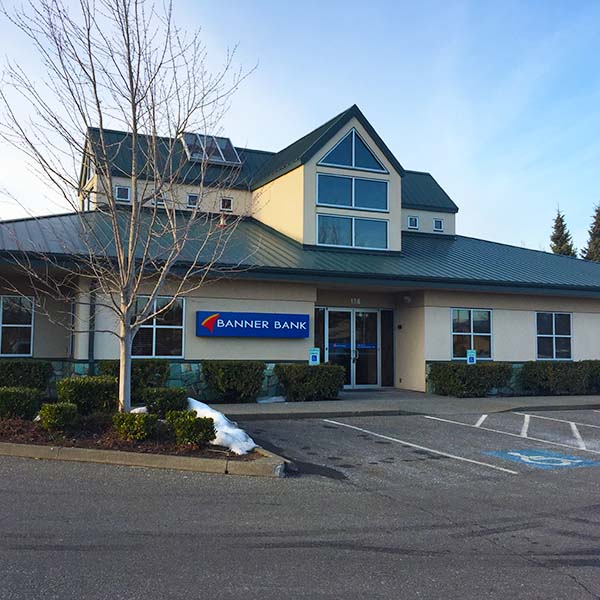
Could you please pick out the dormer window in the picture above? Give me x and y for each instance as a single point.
(438, 225)
(226, 205)
(413, 223)
(352, 152)
(123, 194)
(192, 200)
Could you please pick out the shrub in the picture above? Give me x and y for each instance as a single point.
(592, 376)
(161, 400)
(469, 381)
(557, 378)
(29, 373)
(189, 429)
(136, 427)
(90, 394)
(58, 416)
(302, 383)
(96, 422)
(145, 373)
(233, 380)
(19, 402)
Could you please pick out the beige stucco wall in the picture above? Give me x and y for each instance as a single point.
(280, 204)
(354, 298)
(239, 296)
(513, 323)
(426, 218)
(211, 197)
(409, 347)
(310, 190)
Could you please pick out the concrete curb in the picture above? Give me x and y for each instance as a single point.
(269, 465)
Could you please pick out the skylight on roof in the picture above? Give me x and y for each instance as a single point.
(216, 150)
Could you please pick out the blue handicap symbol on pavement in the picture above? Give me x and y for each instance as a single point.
(544, 459)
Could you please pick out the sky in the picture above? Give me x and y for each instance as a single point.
(500, 101)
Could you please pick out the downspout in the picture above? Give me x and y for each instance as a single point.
(92, 327)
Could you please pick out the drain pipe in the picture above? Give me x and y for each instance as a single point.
(91, 329)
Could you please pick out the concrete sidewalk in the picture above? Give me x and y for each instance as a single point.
(401, 402)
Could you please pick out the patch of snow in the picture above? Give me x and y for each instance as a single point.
(271, 399)
(139, 409)
(228, 433)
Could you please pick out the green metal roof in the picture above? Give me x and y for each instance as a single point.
(255, 250)
(422, 192)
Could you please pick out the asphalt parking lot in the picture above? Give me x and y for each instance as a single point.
(465, 507)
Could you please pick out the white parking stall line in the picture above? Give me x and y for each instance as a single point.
(525, 427)
(511, 434)
(577, 435)
(418, 447)
(561, 420)
(482, 418)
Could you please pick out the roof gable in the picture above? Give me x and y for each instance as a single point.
(302, 150)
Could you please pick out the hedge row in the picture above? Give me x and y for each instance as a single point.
(145, 373)
(31, 373)
(304, 383)
(462, 380)
(539, 378)
(233, 380)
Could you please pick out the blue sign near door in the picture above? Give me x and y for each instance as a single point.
(248, 324)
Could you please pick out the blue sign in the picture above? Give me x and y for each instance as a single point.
(544, 459)
(471, 357)
(245, 324)
(314, 356)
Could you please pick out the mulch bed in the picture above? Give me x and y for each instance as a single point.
(27, 432)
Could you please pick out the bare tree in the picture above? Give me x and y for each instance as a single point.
(121, 64)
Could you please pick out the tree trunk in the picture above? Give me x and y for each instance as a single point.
(125, 342)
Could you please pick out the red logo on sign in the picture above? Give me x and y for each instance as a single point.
(210, 321)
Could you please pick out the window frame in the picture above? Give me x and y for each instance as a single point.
(352, 205)
(21, 326)
(354, 133)
(471, 333)
(154, 327)
(553, 336)
(353, 232)
(187, 200)
(409, 226)
(120, 201)
(440, 229)
(227, 210)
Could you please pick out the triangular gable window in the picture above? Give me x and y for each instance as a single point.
(352, 152)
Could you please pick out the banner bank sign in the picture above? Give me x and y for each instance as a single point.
(246, 324)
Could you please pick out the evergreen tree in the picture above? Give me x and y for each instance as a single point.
(560, 240)
(592, 250)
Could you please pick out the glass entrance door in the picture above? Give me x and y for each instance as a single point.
(353, 342)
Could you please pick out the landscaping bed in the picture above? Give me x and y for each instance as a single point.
(20, 431)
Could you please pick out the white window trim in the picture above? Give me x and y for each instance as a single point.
(352, 232)
(353, 195)
(221, 204)
(553, 336)
(354, 133)
(154, 327)
(119, 200)
(409, 226)
(471, 333)
(187, 200)
(23, 326)
(441, 229)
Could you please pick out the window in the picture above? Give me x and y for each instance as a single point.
(192, 200)
(122, 193)
(16, 326)
(162, 336)
(352, 232)
(553, 336)
(352, 152)
(352, 192)
(227, 204)
(413, 222)
(159, 199)
(471, 330)
(438, 224)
